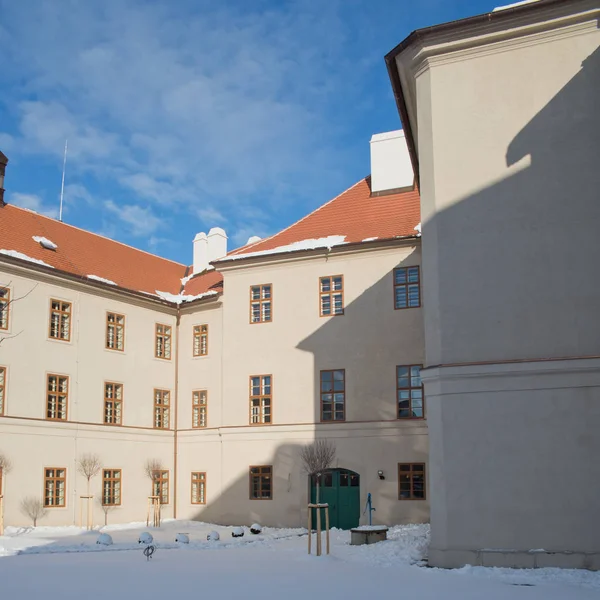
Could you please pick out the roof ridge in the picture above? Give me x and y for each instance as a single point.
(245, 248)
(37, 214)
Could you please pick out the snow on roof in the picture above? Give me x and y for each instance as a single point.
(418, 229)
(514, 5)
(101, 279)
(22, 256)
(44, 242)
(181, 298)
(312, 244)
(371, 239)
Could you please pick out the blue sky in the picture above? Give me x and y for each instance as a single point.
(183, 115)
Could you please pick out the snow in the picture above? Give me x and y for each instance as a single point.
(507, 6)
(371, 528)
(66, 563)
(22, 256)
(371, 239)
(105, 539)
(101, 279)
(44, 242)
(180, 298)
(145, 538)
(418, 229)
(310, 244)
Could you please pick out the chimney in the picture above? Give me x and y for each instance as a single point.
(217, 244)
(200, 253)
(3, 163)
(391, 168)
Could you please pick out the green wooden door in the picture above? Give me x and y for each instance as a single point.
(340, 489)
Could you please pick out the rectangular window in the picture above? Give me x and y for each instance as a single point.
(260, 399)
(57, 397)
(333, 395)
(115, 331)
(60, 320)
(199, 408)
(161, 409)
(198, 488)
(160, 486)
(2, 391)
(331, 291)
(113, 403)
(200, 340)
(261, 483)
(411, 481)
(407, 287)
(111, 487)
(261, 299)
(163, 342)
(55, 483)
(409, 391)
(4, 307)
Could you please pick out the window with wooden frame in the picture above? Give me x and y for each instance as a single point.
(261, 483)
(113, 403)
(261, 303)
(55, 484)
(409, 392)
(115, 331)
(162, 409)
(4, 307)
(111, 487)
(199, 408)
(2, 392)
(60, 320)
(407, 287)
(160, 485)
(261, 389)
(162, 343)
(331, 290)
(411, 481)
(333, 395)
(200, 340)
(57, 397)
(198, 488)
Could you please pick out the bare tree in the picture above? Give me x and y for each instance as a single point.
(33, 508)
(106, 508)
(317, 458)
(5, 307)
(152, 468)
(5, 463)
(89, 466)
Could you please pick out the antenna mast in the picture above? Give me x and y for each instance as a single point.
(62, 187)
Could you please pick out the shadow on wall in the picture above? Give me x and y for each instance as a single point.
(347, 342)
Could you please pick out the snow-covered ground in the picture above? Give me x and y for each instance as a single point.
(67, 563)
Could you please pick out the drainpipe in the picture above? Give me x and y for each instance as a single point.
(175, 404)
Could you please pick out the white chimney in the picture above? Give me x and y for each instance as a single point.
(217, 244)
(390, 162)
(200, 252)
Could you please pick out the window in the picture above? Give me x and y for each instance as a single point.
(199, 408)
(198, 488)
(407, 287)
(261, 298)
(160, 486)
(115, 331)
(163, 341)
(111, 487)
(411, 481)
(409, 391)
(4, 307)
(332, 295)
(60, 320)
(200, 340)
(333, 395)
(57, 397)
(261, 483)
(161, 409)
(55, 483)
(2, 392)
(260, 399)
(113, 403)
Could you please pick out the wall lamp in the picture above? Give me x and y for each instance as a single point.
(381, 475)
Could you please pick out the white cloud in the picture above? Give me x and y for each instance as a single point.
(140, 220)
(210, 216)
(33, 202)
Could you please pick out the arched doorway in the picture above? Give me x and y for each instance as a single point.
(340, 488)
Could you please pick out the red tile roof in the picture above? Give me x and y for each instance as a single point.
(353, 214)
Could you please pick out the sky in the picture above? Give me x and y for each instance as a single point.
(189, 114)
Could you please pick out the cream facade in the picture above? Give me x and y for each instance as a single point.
(293, 349)
(505, 137)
